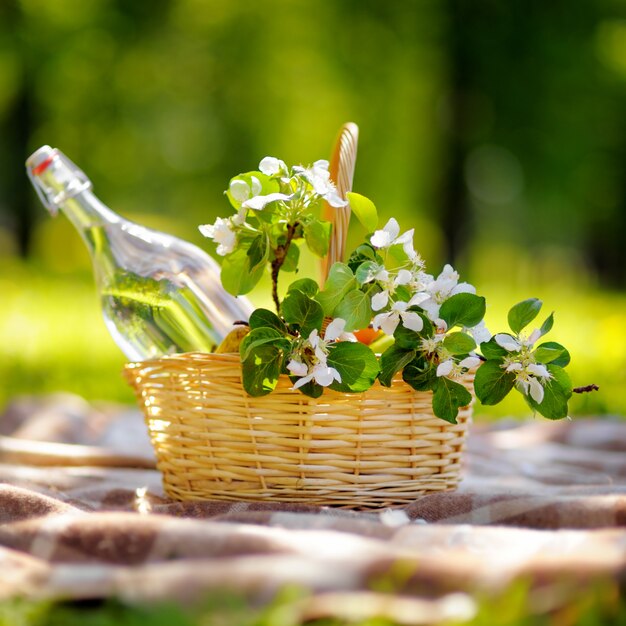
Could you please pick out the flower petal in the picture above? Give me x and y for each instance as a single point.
(431, 308)
(239, 190)
(258, 202)
(207, 230)
(380, 300)
(534, 336)
(405, 237)
(271, 165)
(443, 369)
(470, 362)
(387, 322)
(403, 278)
(297, 368)
(507, 342)
(255, 183)
(536, 390)
(412, 321)
(480, 333)
(380, 239)
(325, 375)
(303, 381)
(463, 288)
(334, 199)
(393, 228)
(334, 329)
(385, 237)
(539, 370)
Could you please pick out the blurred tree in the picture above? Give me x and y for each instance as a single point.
(480, 120)
(16, 100)
(536, 142)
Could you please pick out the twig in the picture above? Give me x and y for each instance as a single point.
(586, 389)
(281, 254)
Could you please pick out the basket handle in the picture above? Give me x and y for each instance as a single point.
(342, 164)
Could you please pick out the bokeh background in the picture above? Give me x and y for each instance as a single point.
(495, 129)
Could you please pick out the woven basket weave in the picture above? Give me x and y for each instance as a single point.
(380, 448)
(383, 447)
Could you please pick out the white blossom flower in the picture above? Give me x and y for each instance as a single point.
(381, 299)
(470, 362)
(390, 235)
(389, 321)
(258, 203)
(515, 345)
(316, 368)
(322, 374)
(530, 376)
(297, 368)
(446, 367)
(221, 233)
(335, 330)
(241, 191)
(437, 291)
(318, 177)
(431, 344)
(451, 369)
(270, 166)
(480, 332)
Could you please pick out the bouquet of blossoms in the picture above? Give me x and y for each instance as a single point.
(428, 329)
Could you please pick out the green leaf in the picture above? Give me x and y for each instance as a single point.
(392, 361)
(356, 309)
(305, 285)
(546, 348)
(298, 308)
(311, 389)
(258, 337)
(463, 309)
(261, 369)
(340, 281)
(410, 339)
(365, 252)
(420, 374)
(459, 343)
(259, 250)
(492, 350)
(523, 313)
(317, 236)
(264, 318)
(546, 327)
(492, 383)
(557, 392)
(448, 398)
(364, 210)
(267, 186)
(356, 364)
(366, 271)
(238, 276)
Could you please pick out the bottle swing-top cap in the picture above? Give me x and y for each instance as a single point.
(66, 179)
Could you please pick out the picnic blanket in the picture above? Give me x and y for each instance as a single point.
(83, 515)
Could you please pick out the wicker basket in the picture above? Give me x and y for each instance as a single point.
(380, 448)
(383, 447)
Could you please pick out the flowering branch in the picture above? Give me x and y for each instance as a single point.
(280, 254)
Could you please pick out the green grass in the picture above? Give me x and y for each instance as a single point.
(598, 605)
(52, 338)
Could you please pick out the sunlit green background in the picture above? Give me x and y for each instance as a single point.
(496, 129)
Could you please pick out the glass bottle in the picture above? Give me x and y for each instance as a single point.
(159, 294)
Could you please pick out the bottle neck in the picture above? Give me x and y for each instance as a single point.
(62, 186)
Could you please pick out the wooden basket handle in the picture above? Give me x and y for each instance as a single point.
(342, 164)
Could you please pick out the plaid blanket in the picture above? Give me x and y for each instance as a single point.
(83, 515)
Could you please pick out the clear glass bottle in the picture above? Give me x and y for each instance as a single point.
(159, 294)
